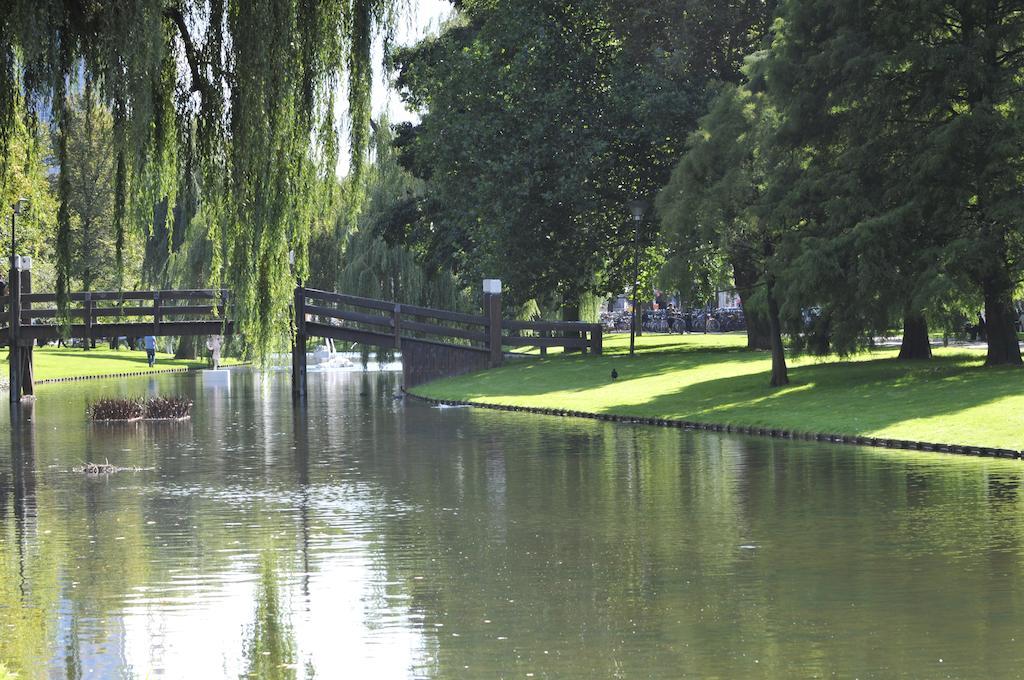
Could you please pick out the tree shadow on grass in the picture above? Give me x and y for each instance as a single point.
(730, 386)
(846, 398)
(576, 374)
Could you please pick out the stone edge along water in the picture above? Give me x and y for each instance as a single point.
(774, 432)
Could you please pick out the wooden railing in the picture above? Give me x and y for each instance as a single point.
(382, 323)
(109, 313)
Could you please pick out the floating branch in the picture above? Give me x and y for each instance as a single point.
(105, 469)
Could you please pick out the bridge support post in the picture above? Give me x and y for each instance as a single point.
(299, 348)
(492, 310)
(14, 334)
(396, 324)
(28, 383)
(19, 357)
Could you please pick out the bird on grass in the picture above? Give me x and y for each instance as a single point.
(615, 374)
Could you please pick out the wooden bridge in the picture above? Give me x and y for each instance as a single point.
(33, 318)
(434, 343)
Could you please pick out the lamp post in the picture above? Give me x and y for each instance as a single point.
(637, 208)
(19, 207)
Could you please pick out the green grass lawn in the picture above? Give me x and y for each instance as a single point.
(952, 399)
(62, 362)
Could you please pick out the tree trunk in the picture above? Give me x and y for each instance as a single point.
(186, 347)
(780, 374)
(759, 332)
(1003, 347)
(571, 312)
(916, 343)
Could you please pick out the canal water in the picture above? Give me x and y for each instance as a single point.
(368, 537)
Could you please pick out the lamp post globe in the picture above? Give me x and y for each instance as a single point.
(638, 209)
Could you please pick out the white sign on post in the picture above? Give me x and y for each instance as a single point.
(492, 286)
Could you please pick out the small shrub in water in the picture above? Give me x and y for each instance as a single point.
(157, 408)
(116, 409)
(168, 408)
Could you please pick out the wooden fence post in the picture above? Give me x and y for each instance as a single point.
(299, 350)
(28, 384)
(157, 313)
(492, 310)
(87, 320)
(14, 335)
(396, 322)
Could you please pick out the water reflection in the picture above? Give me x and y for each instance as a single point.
(368, 537)
(23, 474)
(270, 649)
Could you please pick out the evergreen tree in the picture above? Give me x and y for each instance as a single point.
(724, 197)
(90, 170)
(910, 117)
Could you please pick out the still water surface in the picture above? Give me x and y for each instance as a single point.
(368, 537)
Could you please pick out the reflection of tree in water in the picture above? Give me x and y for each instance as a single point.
(270, 649)
(28, 566)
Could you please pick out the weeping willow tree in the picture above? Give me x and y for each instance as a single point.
(23, 174)
(244, 90)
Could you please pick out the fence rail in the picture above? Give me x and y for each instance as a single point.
(100, 314)
(359, 319)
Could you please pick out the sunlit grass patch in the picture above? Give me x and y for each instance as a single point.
(951, 399)
(50, 363)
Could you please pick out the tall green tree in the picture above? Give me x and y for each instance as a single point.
(541, 121)
(724, 198)
(911, 113)
(709, 42)
(90, 170)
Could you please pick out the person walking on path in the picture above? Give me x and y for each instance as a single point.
(150, 343)
(213, 344)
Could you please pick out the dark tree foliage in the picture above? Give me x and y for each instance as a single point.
(541, 121)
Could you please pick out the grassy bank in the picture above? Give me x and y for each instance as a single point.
(60, 362)
(952, 399)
